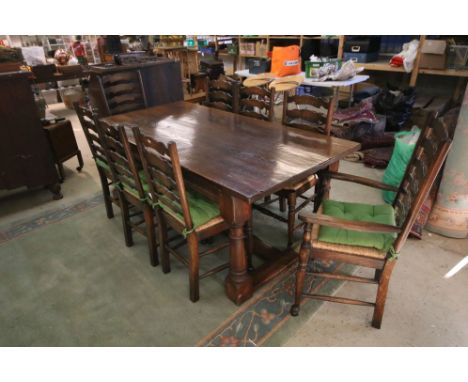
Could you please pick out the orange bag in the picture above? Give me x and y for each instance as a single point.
(285, 61)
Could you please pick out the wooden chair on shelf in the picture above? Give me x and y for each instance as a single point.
(130, 184)
(257, 102)
(187, 212)
(308, 113)
(123, 92)
(222, 94)
(88, 121)
(367, 235)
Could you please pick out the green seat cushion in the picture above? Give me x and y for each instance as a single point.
(202, 210)
(103, 164)
(383, 214)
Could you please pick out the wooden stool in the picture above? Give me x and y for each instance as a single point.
(63, 144)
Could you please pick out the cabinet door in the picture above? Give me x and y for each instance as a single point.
(25, 152)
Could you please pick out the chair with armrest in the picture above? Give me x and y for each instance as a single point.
(368, 235)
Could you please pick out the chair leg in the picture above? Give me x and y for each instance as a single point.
(382, 293)
(249, 244)
(107, 195)
(194, 263)
(267, 198)
(162, 233)
(151, 235)
(291, 217)
(282, 203)
(126, 220)
(304, 255)
(80, 161)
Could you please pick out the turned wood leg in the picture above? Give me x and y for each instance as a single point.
(151, 235)
(80, 161)
(282, 203)
(304, 254)
(124, 207)
(56, 191)
(194, 265)
(239, 283)
(106, 193)
(162, 233)
(291, 217)
(382, 293)
(249, 243)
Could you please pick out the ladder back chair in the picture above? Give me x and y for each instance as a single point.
(308, 113)
(222, 94)
(367, 235)
(124, 92)
(88, 120)
(257, 102)
(130, 184)
(188, 213)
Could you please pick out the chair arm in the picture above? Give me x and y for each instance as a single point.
(352, 225)
(359, 180)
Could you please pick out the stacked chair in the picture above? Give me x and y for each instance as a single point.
(367, 235)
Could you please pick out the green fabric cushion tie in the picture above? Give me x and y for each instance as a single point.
(383, 214)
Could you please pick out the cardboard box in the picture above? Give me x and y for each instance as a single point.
(433, 54)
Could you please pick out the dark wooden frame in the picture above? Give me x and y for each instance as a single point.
(125, 170)
(166, 184)
(89, 122)
(428, 158)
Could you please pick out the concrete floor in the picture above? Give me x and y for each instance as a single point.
(423, 308)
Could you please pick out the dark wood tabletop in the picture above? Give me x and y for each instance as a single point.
(247, 157)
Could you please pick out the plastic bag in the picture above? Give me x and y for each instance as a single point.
(285, 61)
(405, 142)
(407, 56)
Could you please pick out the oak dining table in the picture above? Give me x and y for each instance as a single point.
(236, 161)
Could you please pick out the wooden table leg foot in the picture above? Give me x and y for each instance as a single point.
(239, 284)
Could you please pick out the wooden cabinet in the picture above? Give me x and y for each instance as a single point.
(159, 81)
(25, 154)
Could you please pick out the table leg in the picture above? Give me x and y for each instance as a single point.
(239, 283)
(323, 185)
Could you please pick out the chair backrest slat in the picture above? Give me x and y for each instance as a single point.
(124, 91)
(257, 102)
(88, 120)
(222, 94)
(305, 112)
(164, 176)
(122, 162)
(427, 160)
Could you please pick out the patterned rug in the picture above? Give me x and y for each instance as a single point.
(252, 324)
